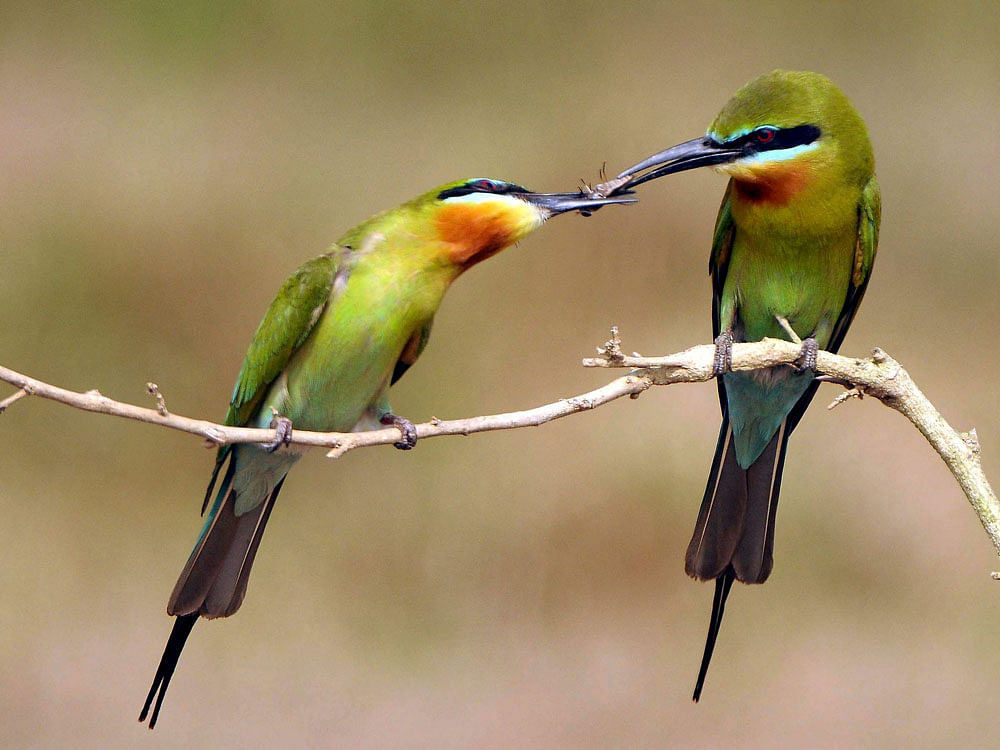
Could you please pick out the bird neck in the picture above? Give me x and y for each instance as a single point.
(472, 232)
(790, 199)
(776, 186)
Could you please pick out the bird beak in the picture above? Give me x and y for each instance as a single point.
(559, 203)
(700, 152)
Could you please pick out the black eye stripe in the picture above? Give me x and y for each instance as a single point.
(481, 186)
(800, 135)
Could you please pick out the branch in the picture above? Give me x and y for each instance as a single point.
(881, 377)
(339, 443)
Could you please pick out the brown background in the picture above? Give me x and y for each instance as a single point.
(163, 169)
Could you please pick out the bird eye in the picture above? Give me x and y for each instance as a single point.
(765, 135)
(485, 186)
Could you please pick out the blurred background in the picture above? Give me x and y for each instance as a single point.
(163, 167)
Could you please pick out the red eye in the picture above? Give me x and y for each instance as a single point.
(486, 186)
(765, 135)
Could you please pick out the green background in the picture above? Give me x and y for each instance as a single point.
(163, 167)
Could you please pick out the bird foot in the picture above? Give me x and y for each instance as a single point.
(282, 433)
(808, 355)
(405, 427)
(723, 361)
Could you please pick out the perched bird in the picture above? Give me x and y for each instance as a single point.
(343, 328)
(793, 249)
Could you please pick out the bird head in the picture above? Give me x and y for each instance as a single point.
(477, 218)
(781, 136)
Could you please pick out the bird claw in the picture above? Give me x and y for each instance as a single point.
(723, 361)
(405, 427)
(808, 355)
(282, 433)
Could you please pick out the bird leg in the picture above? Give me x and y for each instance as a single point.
(282, 433)
(405, 427)
(723, 361)
(807, 355)
(792, 335)
(809, 350)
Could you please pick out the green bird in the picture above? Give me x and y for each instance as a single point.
(343, 328)
(794, 244)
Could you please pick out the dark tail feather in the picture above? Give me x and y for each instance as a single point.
(720, 520)
(172, 652)
(754, 555)
(215, 545)
(214, 581)
(722, 585)
(230, 585)
(224, 453)
(734, 536)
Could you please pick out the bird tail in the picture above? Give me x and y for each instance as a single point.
(175, 644)
(722, 585)
(734, 536)
(214, 580)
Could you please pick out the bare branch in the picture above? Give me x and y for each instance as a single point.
(880, 376)
(12, 399)
(338, 442)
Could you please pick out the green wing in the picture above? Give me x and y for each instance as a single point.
(287, 323)
(869, 218)
(718, 263)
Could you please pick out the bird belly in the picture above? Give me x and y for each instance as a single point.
(804, 282)
(346, 363)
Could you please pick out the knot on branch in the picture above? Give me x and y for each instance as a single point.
(971, 439)
(161, 406)
(580, 403)
(612, 349)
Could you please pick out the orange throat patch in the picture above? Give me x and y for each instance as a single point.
(473, 232)
(777, 184)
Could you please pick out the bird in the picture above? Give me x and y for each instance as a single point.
(343, 328)
(792, 253)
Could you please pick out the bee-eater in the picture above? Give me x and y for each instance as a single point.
(793, 249)
(343, 328)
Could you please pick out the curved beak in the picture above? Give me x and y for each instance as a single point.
(559, 203)
(699, 152)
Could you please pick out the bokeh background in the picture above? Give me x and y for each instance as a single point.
(164, 166)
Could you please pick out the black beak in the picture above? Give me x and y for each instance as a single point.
(700, 152)
(559, 203)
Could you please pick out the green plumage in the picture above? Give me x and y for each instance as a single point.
(796, 239)
(793, 247)
(342, 328)
(815, 280)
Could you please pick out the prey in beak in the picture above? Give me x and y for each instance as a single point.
(584, 202)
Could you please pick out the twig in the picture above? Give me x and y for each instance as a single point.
(13, 398)
(339, 442)
(161, 406)
(787, 327)
(881, 377)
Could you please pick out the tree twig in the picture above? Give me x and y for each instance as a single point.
(339, 443)
(880, 376)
